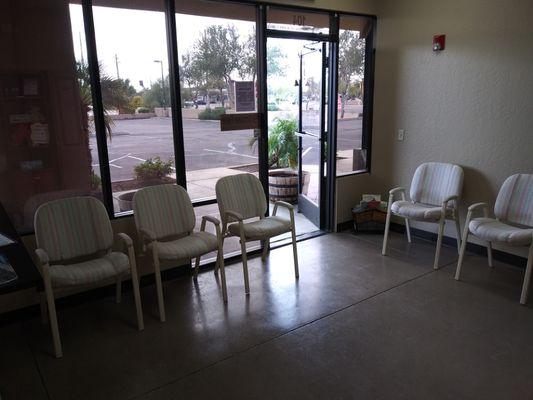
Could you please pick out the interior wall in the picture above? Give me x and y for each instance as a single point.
(470, 104)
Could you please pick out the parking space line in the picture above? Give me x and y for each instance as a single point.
(231, 153)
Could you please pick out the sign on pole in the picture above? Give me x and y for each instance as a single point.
(244, 96)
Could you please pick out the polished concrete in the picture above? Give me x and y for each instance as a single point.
(356, 325)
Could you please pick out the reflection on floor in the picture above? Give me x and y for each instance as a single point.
(355, 325)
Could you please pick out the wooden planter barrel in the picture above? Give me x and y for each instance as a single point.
(283, 185)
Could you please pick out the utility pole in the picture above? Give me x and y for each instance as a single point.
(163, 102)
(116, 64)
(81, 50)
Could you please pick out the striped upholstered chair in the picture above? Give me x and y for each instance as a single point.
(435, 192)
(513, 224)
(74, 248)
(165, 220)
(240, 198)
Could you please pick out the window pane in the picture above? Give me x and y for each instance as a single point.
(297, 20)
(216, 54)
(132, 51)
(45, 108)
(351, 156)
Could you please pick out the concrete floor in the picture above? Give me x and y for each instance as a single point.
(356, 325)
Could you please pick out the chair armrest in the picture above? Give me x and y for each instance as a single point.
(214, 221)
(284, 204)
(396, 190)
(475, 206)
(235, 215)
(147, 234)
(211, 219)
(125, 239)
(42, 256)
(448, 199)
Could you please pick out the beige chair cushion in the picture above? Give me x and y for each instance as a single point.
(185, 248)
(493, 230)
(91, 272)
(262, 229)
(418, 211)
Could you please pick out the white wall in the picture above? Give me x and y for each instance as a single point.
(471, 104)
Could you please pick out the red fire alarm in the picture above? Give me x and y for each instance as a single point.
(439, 42)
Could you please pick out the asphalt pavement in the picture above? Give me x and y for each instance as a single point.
(133, 141)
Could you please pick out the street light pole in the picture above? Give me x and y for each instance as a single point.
(163, 102)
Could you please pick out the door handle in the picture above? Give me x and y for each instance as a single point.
(304, 134)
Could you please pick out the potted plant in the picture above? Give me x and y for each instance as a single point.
(283, 160)
(153, 171)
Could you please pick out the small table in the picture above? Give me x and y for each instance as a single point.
(368, 220)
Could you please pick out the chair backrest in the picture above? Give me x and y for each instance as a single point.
(515, 200)
(433, 182)
(165, 210)
(242, 193)
(73, 227)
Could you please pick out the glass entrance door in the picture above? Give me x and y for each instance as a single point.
(296, 86)
(311, 129)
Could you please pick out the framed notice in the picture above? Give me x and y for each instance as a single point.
(244, 96)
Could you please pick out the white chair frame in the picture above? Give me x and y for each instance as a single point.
(441, 222)
(150, 238)
(48, 299)
(529, 266)
(233, 216)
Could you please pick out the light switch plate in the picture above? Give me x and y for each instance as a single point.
(401, 135)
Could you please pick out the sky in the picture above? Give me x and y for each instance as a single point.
(138, 37)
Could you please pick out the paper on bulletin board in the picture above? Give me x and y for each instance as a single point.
(40, 134)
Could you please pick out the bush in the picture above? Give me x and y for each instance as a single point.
(283, 144)
(153, 168)
(272, 107)
(96, 181)
(143, 110)
(212, 113)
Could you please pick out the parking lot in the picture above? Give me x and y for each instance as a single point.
(133, 141)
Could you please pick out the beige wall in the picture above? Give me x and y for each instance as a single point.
(471, 104)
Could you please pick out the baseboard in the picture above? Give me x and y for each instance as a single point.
(499, 255)
(475, 248)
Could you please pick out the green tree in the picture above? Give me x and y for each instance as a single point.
(153, 96)
(351, 63)
(118, 94)
(248, 66)
(218, 55)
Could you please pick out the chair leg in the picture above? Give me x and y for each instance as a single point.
(386, 233)
(439, 243)
(159, 287)
(119, 291)
(197, 267)
(458, 229)
(489, 254)
(295, 253)
(44, 308)
(266, 244)
(461, 253)
(408, 230)
(217, 263)
(527, 277)
(53, 317)
(136, 291)
(220, 261)
(245, 265)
